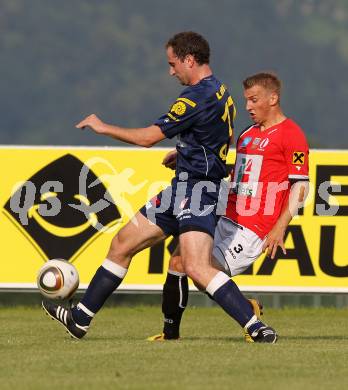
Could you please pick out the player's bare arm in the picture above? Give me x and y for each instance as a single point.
(275, 237)
(144, 136)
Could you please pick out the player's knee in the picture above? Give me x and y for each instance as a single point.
(120, 251)
(192, 272)
(175, 264)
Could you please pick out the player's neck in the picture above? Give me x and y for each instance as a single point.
(201, 72)
(272, 121)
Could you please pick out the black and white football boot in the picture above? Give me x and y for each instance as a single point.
(64, 316)
(265, 334)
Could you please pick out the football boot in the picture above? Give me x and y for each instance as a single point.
(64, 316)
(258, 311)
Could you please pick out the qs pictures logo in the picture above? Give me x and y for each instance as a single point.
(57, 217)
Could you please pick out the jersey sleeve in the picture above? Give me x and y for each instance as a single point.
(296, 153)
(181, 115)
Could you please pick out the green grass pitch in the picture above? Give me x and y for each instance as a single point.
(36, 353)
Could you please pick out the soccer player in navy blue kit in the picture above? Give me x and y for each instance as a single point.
(202, 118)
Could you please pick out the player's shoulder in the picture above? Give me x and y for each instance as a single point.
(189, 93)
(292, 132)
(293, 135)
(289, 126)
(205, 89)
(187, 101)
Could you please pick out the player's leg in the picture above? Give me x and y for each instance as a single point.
(137, 235)
(174, 298)
(235, 249)
(227, 237)
(131, 239)
(196, 247)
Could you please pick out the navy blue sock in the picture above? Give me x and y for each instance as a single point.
(226, 293)
(103, 284)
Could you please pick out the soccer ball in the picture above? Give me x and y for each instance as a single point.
(57, 279)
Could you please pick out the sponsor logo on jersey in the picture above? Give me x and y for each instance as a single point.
(263, 144)
(179, 108)
(245, 142)
(255, 143)
(247, 174)
(298, 158)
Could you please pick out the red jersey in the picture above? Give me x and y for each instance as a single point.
(265, 162)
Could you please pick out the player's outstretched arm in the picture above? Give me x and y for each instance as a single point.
(275, 237)
(144, 136)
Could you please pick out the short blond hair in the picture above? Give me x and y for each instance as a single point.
(268, 80)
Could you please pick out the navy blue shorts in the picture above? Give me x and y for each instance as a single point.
(184, 206)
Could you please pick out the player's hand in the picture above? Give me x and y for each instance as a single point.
(169, 160)
(93, 122)
(274, 239)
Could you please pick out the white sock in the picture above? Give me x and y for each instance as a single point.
(114, 268)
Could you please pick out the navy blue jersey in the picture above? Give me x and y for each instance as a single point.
(202, 118)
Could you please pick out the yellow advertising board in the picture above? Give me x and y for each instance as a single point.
(68, 202)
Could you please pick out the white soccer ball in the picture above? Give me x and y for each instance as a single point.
(57, 279)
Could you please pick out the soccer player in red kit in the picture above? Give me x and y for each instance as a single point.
(268, 185)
